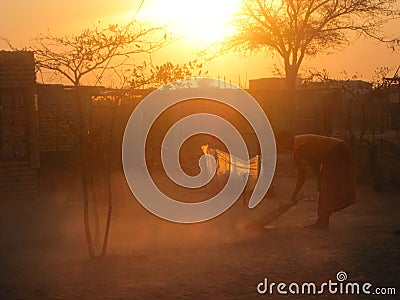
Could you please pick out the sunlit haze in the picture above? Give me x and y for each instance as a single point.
(196, 25)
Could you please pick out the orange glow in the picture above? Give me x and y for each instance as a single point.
(199, 22)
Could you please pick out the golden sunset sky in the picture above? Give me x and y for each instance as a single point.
(198, 23)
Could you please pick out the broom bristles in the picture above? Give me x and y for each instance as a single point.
(270, 216)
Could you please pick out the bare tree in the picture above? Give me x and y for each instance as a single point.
(361, 95)
(357, 91)
(93, 49)
(295, 29)
(76, 56)
(169, 72)
(153, 76)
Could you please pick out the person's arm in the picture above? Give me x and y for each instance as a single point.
(301, 177)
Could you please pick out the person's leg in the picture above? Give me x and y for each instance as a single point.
(321, 223)
(324, 200)
(337, 185)
(335, 189)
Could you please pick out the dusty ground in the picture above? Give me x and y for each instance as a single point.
(43, 253)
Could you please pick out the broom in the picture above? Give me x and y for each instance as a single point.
(270, 216)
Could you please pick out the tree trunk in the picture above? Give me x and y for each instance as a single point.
(84, 170)
(94, 196)
(291, 77)
(349, 119)
(93, 173)
(363, 122)
(108, 176)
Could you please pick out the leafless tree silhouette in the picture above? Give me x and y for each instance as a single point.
(94, 49)
(294, 29)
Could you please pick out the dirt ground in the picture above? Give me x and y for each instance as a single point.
(43, 254)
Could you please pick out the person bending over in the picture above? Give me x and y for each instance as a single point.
(331, 160)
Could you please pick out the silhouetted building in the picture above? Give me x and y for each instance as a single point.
(272, 83)
(19, 154)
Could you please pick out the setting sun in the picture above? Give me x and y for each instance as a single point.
(201, 23)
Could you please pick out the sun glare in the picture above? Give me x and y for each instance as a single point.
(199, 22)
